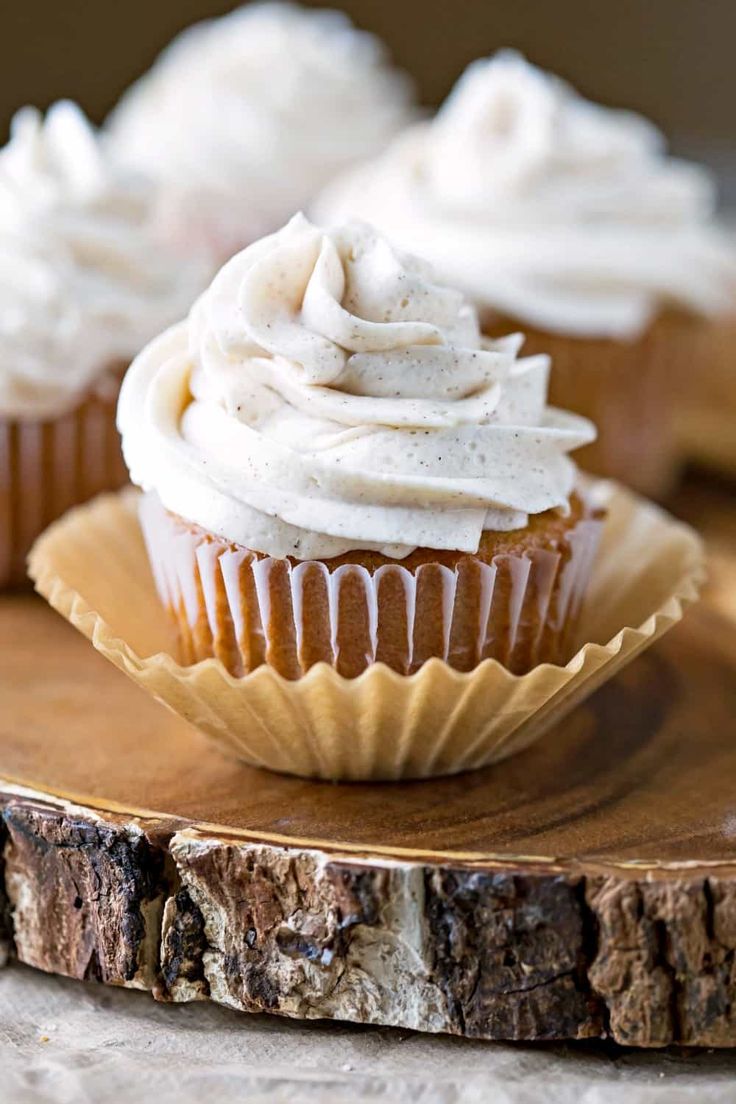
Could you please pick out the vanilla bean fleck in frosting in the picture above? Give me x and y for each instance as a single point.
(543, 206)
(85, 280)
(327, 395)
(244, 118)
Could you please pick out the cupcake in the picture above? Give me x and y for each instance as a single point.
(568, 220)
(85, 283)
(244, 118)
(338, 468)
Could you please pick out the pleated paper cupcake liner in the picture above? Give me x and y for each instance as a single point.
(246, 609)
(705, 406)
(92, 567)
(48, 466)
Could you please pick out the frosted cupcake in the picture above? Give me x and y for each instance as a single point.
(339, 468)
(244, 118)
(568, 220)
(84, 283)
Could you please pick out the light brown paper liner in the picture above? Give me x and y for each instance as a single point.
(705, 414)
(246, 609)
(629, 389)
(48, 466)
(380, 725)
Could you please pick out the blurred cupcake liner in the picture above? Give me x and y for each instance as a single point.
(48, 466)
(380, 725)
(628, 389)
(246, 609)
(705, 414)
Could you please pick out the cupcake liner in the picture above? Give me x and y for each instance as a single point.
(705, 414)
(381, 725)
(246, 609)
(48, 466)
(628, 389)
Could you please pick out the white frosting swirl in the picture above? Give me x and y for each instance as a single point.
(326, 396)
(84, 279)
(244, 118)
(564, 214)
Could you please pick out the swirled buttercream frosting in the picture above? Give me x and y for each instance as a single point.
(564, 214)
(327, 395)
(85, 280)
(244, 118)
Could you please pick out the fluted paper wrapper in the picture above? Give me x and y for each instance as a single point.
(705, 414)
(92, 567)
(246, 609)
(48, 466)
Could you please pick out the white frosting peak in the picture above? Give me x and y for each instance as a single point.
(50, 163)
(85, 280)
(244, 118)
(542, 205)
(327, 395)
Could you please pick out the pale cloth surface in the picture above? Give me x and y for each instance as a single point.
(67, 1042)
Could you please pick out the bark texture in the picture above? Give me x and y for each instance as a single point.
(6, 929)
(509, 953)
(645, 957)
(665, 959)
(85, 894)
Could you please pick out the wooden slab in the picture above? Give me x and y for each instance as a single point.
(584, 888)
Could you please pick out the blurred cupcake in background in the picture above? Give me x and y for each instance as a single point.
(243, 119)
(340, 469)
(570, 221)
(85, 281)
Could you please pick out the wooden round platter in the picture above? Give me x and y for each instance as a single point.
(585, 888)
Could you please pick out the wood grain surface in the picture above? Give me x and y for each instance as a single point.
(584, 888)
(644, 771)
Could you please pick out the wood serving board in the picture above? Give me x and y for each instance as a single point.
(585, 888)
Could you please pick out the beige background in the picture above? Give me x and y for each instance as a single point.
(672, 59)
(64, 1042)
